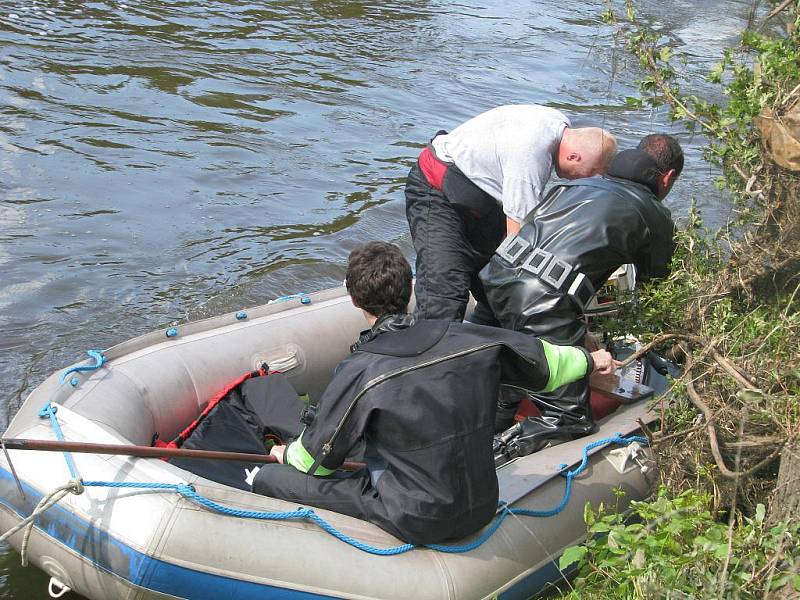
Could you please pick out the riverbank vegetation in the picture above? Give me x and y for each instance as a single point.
(726, 520)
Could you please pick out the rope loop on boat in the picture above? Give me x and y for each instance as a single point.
(99, 361)
(191, 494)
(572, 474)
(48, 411)
(73, 486)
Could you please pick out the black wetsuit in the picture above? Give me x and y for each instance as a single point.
(592, 226)
(422, 396)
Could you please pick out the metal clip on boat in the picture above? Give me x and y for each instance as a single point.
(629, 457)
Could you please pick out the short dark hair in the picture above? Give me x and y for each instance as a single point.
(666, 151)
(379, 279)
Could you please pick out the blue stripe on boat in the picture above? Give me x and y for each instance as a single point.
(111, 555)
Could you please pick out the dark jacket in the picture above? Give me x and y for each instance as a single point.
(595, 225)
(423, 397)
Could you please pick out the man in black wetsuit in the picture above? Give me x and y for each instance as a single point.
(422, 396)
(540, 280)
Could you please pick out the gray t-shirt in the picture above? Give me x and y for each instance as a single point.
(508, 152)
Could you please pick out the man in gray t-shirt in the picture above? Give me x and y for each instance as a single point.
(473, 186)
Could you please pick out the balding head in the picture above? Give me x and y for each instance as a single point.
(584, 152)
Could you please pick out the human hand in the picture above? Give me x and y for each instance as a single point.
(604, 363)
(278, 452)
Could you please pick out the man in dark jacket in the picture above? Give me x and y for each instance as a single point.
(422, 396)
(540, 280)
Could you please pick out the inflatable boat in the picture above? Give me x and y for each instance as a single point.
(112, 526)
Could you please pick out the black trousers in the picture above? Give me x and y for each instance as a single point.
(342, 491)
(352, 493)
(452, 247)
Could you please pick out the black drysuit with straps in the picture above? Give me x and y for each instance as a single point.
(539, 281)
(422, 395)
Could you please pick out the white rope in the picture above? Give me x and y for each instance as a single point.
(550, 556)
(73, 486)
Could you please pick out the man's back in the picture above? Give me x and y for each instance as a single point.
(423, 397)
(508, 152)
(593, 226)
(598, 223)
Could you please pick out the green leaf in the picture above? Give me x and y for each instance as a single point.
(796, 582)
(600, 527)
(751, 396)
(721, 551)
(571, 555)
(665, 53)
(588, 514)
(760, 513)
(715, 75)
(633, 102)
(778, 582)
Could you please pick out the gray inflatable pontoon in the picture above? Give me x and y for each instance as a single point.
(146, 542)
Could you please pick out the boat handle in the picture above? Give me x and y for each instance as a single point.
(54, 593)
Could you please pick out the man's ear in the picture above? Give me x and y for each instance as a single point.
(665, 181)
(574, 157)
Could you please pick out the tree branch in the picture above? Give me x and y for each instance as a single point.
(694, 397)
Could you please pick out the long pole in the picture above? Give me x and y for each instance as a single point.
(146, 451)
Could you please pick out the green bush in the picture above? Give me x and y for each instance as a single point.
(675, 547)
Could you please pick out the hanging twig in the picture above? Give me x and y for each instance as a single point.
(658, 340)
(678, 434)
(778, 9)
(731, 370)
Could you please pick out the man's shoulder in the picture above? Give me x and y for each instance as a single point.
(604, 186)
(521, 113)
(406, 342)
(471, 335)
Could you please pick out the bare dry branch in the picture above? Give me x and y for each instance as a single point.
(714, 442)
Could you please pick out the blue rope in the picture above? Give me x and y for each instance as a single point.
(50, 411)
(189, 493)
(302, 296)
(301, 513)
(489, 532)
(570, 475)
(99, 359)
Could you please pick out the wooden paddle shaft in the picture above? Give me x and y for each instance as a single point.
(147, 451)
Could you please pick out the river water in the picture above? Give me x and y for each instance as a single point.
(170, 160)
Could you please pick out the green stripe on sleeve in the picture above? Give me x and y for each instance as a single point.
(566, 364)
(300, 459)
